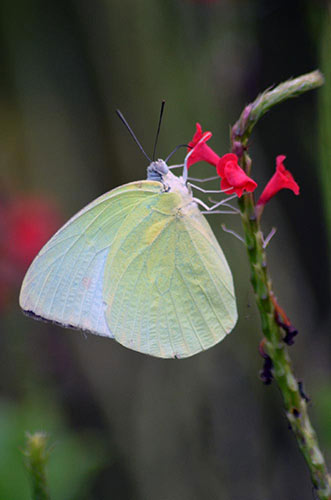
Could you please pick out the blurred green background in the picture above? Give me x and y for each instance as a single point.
(124, 425)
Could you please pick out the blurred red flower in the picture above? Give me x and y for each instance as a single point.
(233, 178)
(198, 149)
(26, 223)
(282, 179)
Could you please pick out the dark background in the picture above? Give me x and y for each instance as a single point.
(124, 425)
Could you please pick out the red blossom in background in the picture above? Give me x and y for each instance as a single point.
(198, 149)
(233, 178)
(282, 179)
(26, 223)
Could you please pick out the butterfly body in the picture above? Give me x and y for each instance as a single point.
(139, 264)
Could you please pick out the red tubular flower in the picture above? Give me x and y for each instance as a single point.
(282, 179)
(199, 151)
(233, 178)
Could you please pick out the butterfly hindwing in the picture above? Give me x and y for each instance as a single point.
(170, 295)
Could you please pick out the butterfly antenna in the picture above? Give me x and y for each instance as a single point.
(158, 129)
(121, 117)
(176, 149)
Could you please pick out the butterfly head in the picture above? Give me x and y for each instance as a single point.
(156, 170)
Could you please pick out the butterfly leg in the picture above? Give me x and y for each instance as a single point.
(206, 179)
(210, 210)
(210, 190)
(225, 203)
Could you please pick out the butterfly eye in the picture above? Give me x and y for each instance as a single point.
(162, 167)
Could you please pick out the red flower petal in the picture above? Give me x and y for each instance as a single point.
(197, 136)
(233, 178)
(282, 179)
(199, 151)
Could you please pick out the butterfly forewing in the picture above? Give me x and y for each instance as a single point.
(64, 283)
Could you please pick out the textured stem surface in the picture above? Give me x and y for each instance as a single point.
(294, 400)
(36, 456)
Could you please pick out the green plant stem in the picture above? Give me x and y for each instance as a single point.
(36, 456)
(254, 111)
(274, 346)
